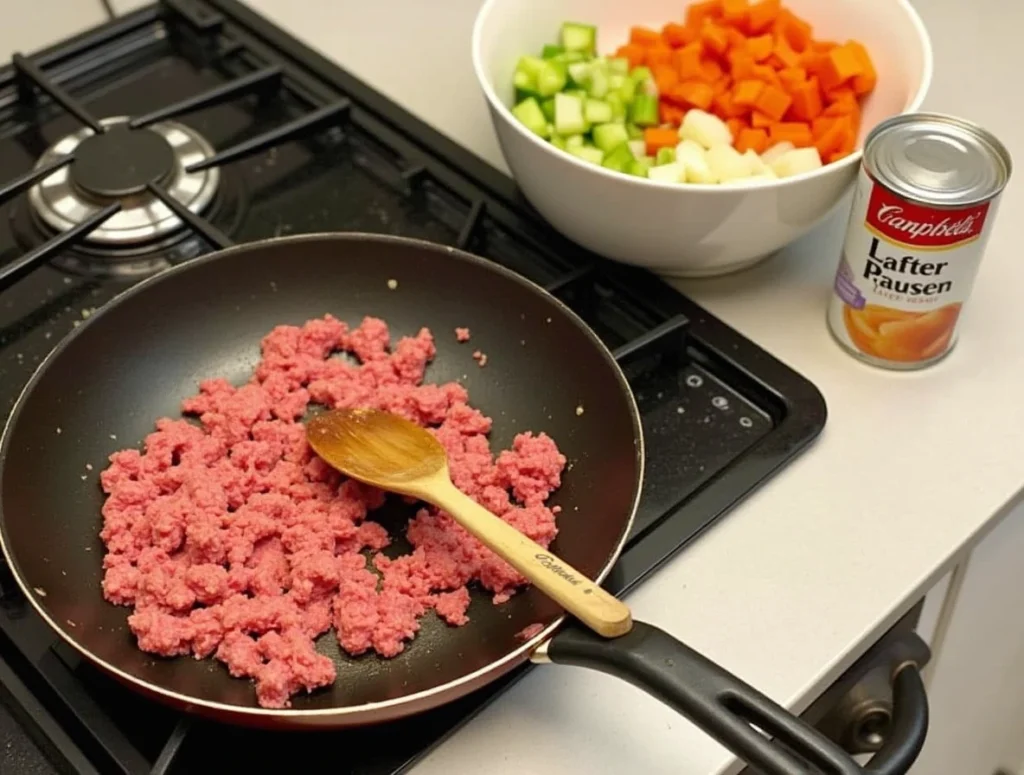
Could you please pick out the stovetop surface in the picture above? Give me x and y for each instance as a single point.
(720, 415)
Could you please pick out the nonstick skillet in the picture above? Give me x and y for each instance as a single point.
(106, 384)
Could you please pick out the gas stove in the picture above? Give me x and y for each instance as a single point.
(192, 125)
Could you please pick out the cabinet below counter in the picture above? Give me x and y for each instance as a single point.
(976, 676)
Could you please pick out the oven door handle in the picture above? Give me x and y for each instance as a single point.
(909, 726)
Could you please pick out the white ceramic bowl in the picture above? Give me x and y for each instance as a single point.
(685, 229)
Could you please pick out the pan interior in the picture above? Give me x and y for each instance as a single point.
(134, 362)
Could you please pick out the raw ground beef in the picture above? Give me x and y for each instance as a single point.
(462, 334)
(229, 537)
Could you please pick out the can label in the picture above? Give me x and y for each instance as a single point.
(905, 272)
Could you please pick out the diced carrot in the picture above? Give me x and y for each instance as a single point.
(757, 66)
(644, 36)
(850, 113)
(736, 125)
(793, 78)
(773, 102)
(746, 92)
(688, 61)
(714, 38)
(741, 64)
(676, 35)
(842, 94)
(785, 53)
(698, 12)
(695, 94)
(761, 47)
(865, 81)
(842, 64)
(806, 100)
(670, 114)
(658, 55)
(849, 139)
(847, 144)
(813, 61)
(712, 70)
(795, 31)
(725, 106)
(762, 15)
(841, 102)
(656, 138)
(823, 124)
(637, 55)
(734, 12)
(751, 140)
(830, 138)
(796, 132)
(766, 74)
(736, 38)
(665, 77)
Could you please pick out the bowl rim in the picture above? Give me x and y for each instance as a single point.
(498, 106)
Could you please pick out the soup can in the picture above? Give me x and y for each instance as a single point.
(925, 202)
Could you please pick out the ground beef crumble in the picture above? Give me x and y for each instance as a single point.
(230, 538)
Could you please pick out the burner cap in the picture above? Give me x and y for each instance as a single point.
(121, 161)
(117, 165)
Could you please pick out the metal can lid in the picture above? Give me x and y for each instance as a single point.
(937, 159)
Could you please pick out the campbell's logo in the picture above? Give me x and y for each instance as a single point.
(918, 226)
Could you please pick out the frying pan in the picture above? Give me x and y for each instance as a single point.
(105, 385)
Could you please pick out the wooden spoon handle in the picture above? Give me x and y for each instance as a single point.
(572, 590)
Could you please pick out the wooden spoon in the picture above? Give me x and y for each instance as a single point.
(389, 452)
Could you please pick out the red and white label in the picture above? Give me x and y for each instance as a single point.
(905, 272)
(906, 223)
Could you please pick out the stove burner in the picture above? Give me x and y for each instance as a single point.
(116, 166)
(121, 162)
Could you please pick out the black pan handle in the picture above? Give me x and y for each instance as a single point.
(712, 698)
(909, 727)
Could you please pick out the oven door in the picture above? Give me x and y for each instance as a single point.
(878, 709)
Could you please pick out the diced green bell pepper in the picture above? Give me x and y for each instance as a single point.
(609, 136)
(532, 117)
(551, 78)
(644, 110)
(579, 37)
(588, 153)
(569, 118)
(547, 106)
(597, 111)
(618, 106)
(619, 65)
(619, 158)
(639, 167)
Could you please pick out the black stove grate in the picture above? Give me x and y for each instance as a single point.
(720, 415)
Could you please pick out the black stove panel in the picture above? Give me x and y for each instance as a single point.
(298, 146)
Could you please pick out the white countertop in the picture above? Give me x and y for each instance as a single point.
(791, 587)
